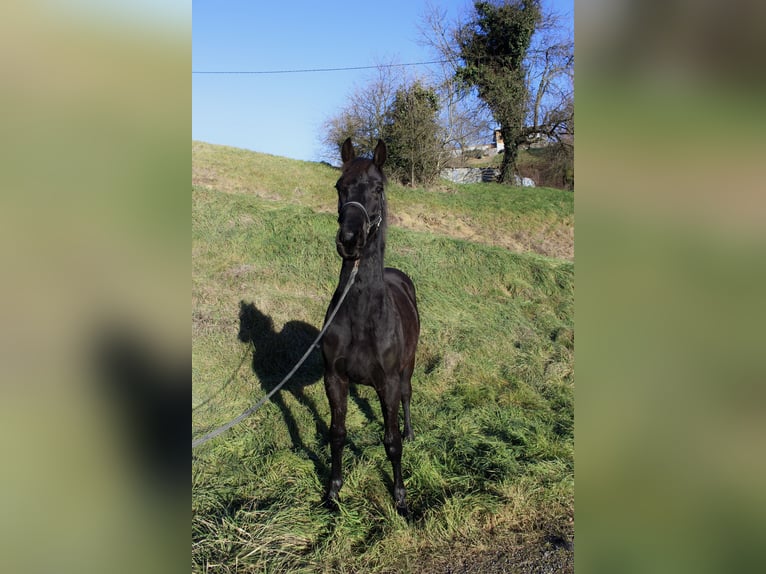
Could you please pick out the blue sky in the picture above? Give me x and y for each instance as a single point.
(282, 114)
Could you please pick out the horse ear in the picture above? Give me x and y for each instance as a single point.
(379, 158)
(347, 152)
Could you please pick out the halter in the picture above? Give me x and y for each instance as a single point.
(368, 224)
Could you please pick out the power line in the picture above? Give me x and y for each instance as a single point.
(312, 70)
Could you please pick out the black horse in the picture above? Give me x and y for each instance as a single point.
(373, 338)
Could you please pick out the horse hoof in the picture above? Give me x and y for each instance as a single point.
(331, 503)
(402, 511)
(410, 436)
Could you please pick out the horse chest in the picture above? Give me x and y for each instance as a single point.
(368, 354)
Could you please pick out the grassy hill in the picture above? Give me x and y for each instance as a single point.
(490, 476)
(539, 220)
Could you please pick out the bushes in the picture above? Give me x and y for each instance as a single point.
(550, 166)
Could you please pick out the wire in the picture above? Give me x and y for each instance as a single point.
(312, 70)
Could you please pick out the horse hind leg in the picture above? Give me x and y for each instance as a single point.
(406, 390)
(392, 439)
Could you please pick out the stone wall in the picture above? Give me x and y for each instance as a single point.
(470, 174)
(479, 175)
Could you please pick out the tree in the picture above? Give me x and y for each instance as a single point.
(464, 119)
(551, 77)
(402, 112)
(513, 57)
(493, 47)
(364, 116)
(413, 135)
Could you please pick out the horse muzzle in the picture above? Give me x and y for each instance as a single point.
(349, 243)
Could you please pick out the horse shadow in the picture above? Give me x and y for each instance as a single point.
(274, 354)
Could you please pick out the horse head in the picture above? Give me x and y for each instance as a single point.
(361, 200)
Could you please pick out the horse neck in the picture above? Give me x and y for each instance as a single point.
(369, 277)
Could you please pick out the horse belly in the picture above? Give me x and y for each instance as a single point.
(368, 365)
(402, 294)
(359, 373)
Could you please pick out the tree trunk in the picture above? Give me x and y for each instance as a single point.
(511, 151)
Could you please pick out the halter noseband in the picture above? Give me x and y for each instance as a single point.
(368, 224)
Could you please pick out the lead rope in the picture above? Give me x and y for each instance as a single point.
(214, 433)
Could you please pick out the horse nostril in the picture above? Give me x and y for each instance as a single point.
(347, 236)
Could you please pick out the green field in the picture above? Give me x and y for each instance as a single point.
(490, 475)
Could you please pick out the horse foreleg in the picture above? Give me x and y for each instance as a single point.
(337, 394)
(392, 439)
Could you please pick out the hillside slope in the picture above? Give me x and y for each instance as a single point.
(490, 475)
(539, 220)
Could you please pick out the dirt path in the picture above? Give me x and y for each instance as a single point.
(552, 241)
(537, 554)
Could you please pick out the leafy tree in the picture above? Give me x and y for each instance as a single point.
(363, 117)
(516, 63)
(413, 135)
(493, 48)
(402, 112)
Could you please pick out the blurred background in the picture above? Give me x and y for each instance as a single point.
(94, 244)
(670, 246)
(95, 221)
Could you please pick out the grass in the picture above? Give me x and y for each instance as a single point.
(540, 220)
(492, 464)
